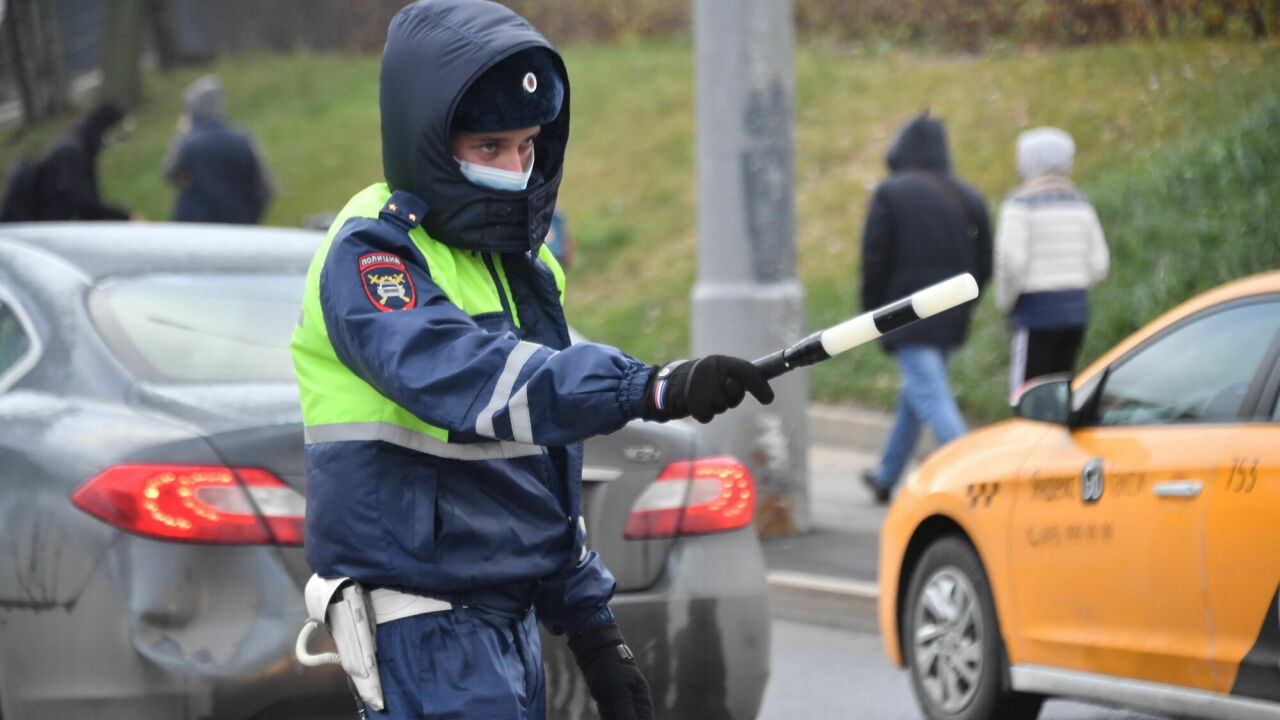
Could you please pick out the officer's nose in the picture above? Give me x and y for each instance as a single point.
(511, 160)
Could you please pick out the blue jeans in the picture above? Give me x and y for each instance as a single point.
(925, 398)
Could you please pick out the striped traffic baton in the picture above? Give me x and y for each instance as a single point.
(870, 325)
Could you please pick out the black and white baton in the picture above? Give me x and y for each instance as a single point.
(870, 325)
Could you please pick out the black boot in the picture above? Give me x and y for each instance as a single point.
(880, 491)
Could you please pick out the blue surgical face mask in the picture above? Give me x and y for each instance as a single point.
(495, 178)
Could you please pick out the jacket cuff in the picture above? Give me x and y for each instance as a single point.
(631, 390)
(579, 624)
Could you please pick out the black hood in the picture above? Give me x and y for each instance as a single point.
(435, 49)
(921, 145)
(101, 119)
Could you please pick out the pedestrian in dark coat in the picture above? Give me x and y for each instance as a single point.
(63, 184)
(220, 175)
(924, 225)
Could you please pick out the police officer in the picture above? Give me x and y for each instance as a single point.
(444, 405)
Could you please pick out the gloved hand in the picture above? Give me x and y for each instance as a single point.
(613, 677)
(703, 387)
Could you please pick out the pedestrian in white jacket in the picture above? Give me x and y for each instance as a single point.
(1049, 250)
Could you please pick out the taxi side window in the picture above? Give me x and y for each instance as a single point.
(14, 342)
(1199, 372)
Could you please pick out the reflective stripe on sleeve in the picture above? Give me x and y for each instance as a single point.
(502, 391)
(518, 411)
(396, 435)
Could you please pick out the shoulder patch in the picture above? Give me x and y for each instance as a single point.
(386, 281)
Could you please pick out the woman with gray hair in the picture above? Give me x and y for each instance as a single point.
(1049, 250)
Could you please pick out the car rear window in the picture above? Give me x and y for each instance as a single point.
(201, 327)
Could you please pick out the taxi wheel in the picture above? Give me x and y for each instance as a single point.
(952, 640)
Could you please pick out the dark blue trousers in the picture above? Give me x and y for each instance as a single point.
(463, 664)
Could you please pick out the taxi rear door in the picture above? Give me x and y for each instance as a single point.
(1107, 536)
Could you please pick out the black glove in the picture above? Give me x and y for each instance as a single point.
(703, 387)
(613, 677)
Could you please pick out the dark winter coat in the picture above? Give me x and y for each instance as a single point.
(495, 507)
(63, 185)
(220, 177)
(924, 225)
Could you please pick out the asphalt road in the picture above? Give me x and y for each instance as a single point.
(823, 672)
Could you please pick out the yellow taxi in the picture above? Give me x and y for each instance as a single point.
(1117, 541)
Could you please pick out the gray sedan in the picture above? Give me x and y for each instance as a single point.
(152, 494)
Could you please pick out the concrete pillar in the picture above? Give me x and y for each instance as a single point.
(747, 300)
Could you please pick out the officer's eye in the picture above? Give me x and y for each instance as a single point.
(489, 148)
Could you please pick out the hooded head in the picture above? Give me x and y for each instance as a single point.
(97, 123)
(1045, 151)
(471, 65)
(921, 145)
(202, 100)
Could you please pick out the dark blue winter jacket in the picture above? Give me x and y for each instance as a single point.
(444, 406)
(219, 175)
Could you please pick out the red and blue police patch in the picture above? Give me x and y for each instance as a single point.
(386, 281)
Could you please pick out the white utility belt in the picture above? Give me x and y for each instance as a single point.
(351, 615)
(391, 605)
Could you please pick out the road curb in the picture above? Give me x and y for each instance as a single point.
(823, 600)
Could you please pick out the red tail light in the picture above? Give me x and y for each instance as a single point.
(694, 497)
(196, 504)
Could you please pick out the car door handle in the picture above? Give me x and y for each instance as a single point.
(1178, 488)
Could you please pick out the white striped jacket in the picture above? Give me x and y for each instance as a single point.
(1048, 238)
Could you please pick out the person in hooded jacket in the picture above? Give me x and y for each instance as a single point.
(443, 404)
(923, 226)
(219, 172)
(63, 184)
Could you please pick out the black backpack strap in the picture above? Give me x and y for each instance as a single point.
(948, 191)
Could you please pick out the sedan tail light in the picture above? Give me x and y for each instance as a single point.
(196, 504)
(692, 497)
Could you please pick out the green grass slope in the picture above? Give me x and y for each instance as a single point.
(1173, 148)
(1192, 216)
(1178, 149)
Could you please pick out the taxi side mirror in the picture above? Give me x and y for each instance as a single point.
(1045, 399)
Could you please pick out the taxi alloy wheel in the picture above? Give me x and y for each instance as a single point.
(948, 640)
(952, 640)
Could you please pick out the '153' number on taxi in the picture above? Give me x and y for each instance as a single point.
(1243, 476)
